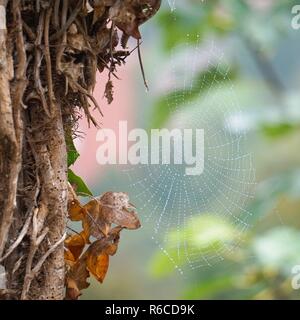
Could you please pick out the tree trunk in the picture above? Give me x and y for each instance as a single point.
(33, 174)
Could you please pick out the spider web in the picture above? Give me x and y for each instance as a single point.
(172, 4)
(167, 197)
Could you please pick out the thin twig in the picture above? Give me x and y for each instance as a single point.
(37, 6)
(56, 14)
(21, 80)
(108, 68)
(32, 273)
(48, 60)
(141, 65)
(84, 91)
(38, 266)
(85, 106)
(21, 235)
(63, 45)
(28, 30)
(17, 265)
(66, 25)
(32, 250)
(37, 63)
(76, 232)
(111, 47)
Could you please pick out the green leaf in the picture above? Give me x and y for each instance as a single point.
(80, 186)
(73, 154)
(278, 130)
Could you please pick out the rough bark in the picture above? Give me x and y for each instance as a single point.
(29, 145)
(50, 51)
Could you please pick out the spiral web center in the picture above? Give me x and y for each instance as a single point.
(184, 211)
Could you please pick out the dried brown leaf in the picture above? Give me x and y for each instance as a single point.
(117, 209)
(98, 265)
(128, 15)
(75, 244)
(97, 255)
(76, 279)
(111, 208)
(75, 210)
(109, 93)
(94, 223)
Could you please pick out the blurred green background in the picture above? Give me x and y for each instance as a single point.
(262, 51)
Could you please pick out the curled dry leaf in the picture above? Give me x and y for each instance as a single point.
(97, 217)
(75, 210)
(98, 254)
(94, 223)
(75, 245)
(69, 258)
(95, 261)
(118, 210)
(128, 15)
(76, 279)
(111, 208)
(97, 265)
(109, 93)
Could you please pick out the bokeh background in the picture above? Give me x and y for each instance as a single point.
(256, 40)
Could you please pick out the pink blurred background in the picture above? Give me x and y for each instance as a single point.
(122, 108)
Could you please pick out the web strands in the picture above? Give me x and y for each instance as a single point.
(173, 201)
